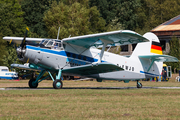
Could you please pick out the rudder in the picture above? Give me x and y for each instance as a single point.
(152, 47)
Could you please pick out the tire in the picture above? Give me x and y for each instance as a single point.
(57, 84)
(32, 83)
(139, 85)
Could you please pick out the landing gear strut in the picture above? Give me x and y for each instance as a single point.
(139, 85)
(57, 84)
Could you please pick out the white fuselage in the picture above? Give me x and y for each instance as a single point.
(134, 67)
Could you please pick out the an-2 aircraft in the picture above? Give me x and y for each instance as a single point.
(80, 56)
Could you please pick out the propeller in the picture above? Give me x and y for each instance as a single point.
(21, 50)
(24, 39)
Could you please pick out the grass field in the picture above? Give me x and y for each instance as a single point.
(90, 104)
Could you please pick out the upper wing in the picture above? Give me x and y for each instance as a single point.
(160, 58)
(122, 37)
(18, 40)
(93, 69)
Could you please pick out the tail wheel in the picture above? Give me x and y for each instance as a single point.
(33, 83)
(57, 84)
(139, 85)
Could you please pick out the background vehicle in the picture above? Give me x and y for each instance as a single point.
(6, 74)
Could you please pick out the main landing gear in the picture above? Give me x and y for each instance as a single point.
(57, 84)
(139, 85)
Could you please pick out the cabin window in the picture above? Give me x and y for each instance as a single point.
(59, 44)
(84, 58)
(74, 55)
(68, 54)
(79, 57)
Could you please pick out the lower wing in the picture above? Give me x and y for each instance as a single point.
(93, 69)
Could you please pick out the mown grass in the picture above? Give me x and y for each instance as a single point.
(90, 104)
(96, 104)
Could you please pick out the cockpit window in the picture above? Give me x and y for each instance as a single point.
(50, 43)
(59, 44)
(44, 43)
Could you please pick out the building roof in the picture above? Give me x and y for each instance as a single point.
(171, 25)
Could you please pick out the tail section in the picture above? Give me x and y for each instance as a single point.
(150, 54)
(153, 47)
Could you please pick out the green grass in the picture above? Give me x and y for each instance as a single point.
(91, 104)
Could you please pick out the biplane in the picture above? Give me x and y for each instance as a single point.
(81, 56)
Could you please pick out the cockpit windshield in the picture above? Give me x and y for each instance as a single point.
(51, 44)
(43, 42)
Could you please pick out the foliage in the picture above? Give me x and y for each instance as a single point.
(80, 17)
(12, 24)
(33, 15)
(160, 11)
(10, 58)
(11, 19)
(175, 51)
(74, 20)
(125, 11)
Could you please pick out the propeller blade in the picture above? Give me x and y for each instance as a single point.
(10, 41)
(24, 39)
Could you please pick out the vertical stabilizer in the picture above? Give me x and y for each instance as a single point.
(153, 47)
(147, 52)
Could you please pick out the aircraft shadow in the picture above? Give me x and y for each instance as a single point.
(47, 88)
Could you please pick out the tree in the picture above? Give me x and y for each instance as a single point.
(160, 11)
(12, 24)
(125, 11)
(33, 15)
(175, 51)
(10, 58)
(76, 19)
(11, 19)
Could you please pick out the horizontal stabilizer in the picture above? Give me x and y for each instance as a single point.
(93, 69)
(25, 67)
(160, 58)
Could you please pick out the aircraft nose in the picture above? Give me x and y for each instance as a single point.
(20, 52)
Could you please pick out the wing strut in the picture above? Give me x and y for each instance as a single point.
(105, 42)
(152, 61)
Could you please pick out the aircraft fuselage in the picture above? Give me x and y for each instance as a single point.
(54, 59)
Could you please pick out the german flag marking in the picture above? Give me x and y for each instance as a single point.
(156, 48)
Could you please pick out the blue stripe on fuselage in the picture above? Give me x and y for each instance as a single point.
(148, 73)
(62, 53)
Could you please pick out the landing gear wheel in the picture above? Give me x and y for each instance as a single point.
(57, 84)
(32, 83)
(139, 85)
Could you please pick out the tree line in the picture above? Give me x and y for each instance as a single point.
(78, 17)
